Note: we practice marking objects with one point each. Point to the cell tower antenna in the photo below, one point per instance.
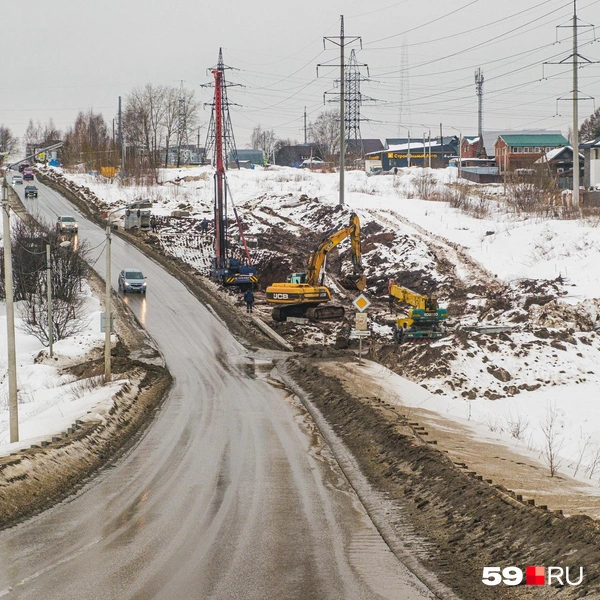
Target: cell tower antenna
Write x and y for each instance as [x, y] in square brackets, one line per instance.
[481, 153]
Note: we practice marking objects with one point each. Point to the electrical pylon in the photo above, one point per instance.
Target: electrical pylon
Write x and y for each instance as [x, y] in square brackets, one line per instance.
[220, 119]
[354, 100]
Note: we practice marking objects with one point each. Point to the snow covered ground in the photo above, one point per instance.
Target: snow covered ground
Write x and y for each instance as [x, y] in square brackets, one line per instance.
[549, 380]
[51, 401]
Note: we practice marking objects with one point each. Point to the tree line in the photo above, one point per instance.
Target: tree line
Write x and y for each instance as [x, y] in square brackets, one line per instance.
[157, 121]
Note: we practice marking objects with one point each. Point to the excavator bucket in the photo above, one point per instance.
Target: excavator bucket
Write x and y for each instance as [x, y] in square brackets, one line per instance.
[354, 282]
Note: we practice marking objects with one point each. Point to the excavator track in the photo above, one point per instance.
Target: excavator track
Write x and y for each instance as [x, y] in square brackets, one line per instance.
[326, 312]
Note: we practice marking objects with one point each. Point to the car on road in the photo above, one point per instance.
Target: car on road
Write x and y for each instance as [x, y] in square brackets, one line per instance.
[17, 179]
[28, 175]
[23, 166]
[67, 224]
[132, 280]
[31, 191]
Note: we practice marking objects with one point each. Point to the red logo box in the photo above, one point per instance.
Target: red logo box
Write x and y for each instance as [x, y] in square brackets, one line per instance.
[535, 575]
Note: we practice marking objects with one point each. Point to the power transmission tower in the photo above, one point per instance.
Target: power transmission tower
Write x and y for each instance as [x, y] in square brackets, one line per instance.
[355, 99]
[576, 60]
[481, 153]
[182, 132]
[220, 119]
[341, 41]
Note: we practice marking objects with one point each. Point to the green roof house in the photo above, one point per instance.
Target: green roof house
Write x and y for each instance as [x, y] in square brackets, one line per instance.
[521, 150]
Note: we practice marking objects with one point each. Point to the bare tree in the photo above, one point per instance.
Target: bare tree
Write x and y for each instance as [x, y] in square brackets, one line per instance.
[69, 268]
[8, 142]
[89, 143]
[553, 441]
[325, 133]
[264, 140]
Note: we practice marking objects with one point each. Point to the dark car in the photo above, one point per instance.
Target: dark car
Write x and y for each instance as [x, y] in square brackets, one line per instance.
[28, 175]
[31, 191]
[23, 166]
[132, 280]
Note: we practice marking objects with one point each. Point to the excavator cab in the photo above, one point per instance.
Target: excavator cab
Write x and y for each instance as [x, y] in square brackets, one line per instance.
[296, 278]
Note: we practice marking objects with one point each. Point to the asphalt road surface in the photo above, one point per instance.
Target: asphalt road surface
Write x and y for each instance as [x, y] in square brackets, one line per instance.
[230, 493]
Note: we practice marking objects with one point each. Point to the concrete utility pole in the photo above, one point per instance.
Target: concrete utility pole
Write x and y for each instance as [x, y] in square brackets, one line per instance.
[107, 308]
[121, 139]
[305, 125]
[13, 405]
[577, 60]
[575, 111]
[49, 301]
[341, 42]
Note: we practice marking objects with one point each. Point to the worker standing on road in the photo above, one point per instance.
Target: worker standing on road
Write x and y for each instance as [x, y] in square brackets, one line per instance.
[249, 299]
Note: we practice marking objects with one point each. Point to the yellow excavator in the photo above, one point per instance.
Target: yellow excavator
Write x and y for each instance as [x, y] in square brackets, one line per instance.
[303, 293]
[425, 318]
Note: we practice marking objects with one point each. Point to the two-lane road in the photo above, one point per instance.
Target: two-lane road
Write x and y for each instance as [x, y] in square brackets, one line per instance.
[230, 493]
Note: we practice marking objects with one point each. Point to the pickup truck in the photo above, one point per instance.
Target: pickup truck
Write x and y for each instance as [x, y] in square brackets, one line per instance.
[31, 191]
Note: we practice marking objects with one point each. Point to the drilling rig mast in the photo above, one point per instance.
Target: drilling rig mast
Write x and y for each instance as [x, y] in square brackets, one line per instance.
[220, 140]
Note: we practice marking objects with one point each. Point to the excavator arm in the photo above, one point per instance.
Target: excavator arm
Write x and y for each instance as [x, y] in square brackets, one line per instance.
[318, 257]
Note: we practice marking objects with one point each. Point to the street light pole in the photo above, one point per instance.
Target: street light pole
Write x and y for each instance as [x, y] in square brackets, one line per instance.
[49, 301]
[108, 308]
[13, 405]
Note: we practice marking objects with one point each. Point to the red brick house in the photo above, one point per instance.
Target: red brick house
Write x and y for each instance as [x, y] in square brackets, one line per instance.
[521, 150]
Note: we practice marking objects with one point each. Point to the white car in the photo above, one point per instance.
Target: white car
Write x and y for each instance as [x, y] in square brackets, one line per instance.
[17, 179]
[67, 224]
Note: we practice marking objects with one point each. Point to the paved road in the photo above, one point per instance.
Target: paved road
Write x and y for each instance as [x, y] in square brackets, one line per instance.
[229, 494]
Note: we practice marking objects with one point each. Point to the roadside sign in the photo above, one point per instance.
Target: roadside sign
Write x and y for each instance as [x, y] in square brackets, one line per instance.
[361, 302]
[355, 334]
[360, 321]
[103, 322]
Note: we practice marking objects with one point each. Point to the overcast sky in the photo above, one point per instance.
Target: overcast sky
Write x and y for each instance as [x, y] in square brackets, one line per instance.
[63, 56]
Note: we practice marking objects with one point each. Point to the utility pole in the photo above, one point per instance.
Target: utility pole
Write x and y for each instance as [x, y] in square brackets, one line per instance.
[305, 125]
[341, 42]
[342, 113]
[49, 301]
[429, 163]
[576, 61]
[107, 308]
[13, 405]
[121, 140]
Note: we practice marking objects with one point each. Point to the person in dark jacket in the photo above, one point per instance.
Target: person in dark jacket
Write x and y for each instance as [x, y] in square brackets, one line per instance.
[153, 223]
[249, 299]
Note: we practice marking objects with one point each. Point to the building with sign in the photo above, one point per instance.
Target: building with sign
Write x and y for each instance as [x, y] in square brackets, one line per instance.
[420, 153]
